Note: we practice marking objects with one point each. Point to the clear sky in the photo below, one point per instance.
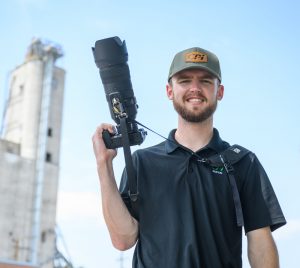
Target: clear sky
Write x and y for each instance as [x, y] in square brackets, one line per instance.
[258, 45]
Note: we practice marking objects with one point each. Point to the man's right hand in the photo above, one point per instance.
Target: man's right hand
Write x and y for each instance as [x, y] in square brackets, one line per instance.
[102, 154]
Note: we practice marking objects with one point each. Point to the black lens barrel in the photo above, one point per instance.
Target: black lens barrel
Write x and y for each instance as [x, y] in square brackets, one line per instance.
[111, 58]
[110, 51]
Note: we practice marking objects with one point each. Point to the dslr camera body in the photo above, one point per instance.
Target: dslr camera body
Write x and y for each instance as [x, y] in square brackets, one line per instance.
[111, 58]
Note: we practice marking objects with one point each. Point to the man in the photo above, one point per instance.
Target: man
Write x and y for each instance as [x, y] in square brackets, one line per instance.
[186, 209]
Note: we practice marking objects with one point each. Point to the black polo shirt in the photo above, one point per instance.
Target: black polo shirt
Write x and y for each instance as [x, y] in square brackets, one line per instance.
[186, 210]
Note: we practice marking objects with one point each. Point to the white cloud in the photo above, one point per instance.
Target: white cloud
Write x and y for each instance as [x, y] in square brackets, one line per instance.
[76, 205]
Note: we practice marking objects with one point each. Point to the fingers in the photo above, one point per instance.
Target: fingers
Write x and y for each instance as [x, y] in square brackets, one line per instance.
[104, 126]
[99, 130]
[100, 150]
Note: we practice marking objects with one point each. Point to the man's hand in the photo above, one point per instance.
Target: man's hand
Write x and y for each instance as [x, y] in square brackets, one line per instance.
[102, 154]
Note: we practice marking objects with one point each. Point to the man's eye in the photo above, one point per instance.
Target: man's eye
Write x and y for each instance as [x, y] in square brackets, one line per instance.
[206, 81]
[183, 81]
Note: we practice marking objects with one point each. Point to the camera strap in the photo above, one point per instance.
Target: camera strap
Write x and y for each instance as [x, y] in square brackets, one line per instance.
[227, 158]
[132, 180]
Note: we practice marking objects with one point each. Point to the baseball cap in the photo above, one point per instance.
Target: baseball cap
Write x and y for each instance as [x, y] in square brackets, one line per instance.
[198, 58]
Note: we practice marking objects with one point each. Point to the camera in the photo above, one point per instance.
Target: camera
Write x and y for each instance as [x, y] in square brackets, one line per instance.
[111, 58]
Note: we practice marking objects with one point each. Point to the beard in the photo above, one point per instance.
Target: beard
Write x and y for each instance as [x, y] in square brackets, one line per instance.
[195, 116]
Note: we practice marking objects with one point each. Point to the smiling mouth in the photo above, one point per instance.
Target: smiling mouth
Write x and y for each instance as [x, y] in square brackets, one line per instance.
[196, 100]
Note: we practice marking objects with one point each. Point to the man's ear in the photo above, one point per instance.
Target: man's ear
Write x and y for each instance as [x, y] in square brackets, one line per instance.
[169, 91]
[220, 92]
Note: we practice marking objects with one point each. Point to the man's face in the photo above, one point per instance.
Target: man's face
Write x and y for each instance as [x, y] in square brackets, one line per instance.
[195, 94]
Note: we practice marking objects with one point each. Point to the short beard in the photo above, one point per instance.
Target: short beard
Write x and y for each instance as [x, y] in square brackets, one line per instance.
[195, 117]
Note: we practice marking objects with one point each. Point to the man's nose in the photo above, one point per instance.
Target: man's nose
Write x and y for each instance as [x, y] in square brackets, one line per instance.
[195, 86]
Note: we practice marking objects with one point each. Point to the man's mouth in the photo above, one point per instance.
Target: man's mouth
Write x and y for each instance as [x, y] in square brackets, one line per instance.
[195, 100]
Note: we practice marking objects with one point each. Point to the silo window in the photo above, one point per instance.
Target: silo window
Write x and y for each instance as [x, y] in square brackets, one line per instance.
[48, 157]
[43, 237]
[50, 132]
[54, 83]
[21, 89]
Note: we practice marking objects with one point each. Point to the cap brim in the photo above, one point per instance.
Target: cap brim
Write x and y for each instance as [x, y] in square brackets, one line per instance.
[193, 66]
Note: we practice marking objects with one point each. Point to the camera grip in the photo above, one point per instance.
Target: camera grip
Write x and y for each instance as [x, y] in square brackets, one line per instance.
[107, 139]
[111, 141]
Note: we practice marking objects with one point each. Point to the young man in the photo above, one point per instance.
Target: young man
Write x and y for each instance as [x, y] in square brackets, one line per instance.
[186, 209]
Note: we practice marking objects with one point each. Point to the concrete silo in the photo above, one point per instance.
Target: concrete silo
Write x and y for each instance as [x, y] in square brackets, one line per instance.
[29, 157]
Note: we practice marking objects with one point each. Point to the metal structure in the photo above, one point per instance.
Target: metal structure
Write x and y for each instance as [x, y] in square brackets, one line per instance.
[49, 54]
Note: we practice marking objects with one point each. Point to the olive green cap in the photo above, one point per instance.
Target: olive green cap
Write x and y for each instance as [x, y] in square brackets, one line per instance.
[198, 58]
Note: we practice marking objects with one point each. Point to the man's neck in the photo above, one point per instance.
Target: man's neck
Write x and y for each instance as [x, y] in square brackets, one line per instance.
[194, 135]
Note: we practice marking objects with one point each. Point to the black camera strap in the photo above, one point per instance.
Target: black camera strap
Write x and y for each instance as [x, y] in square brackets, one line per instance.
[227, 158]
[132, 180]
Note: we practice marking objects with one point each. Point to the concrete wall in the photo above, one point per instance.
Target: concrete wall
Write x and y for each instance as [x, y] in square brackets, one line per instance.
[18, 150]
[16, 192]
[6, 265]
[22, 115]
[56, 114]
[23, 110]
[14, 264]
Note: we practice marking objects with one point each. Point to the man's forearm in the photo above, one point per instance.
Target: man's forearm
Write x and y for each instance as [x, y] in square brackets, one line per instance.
[262, 251]
[123, 228]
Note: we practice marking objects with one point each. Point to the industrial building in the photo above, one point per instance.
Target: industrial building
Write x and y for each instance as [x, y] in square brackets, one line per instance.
[29, 159]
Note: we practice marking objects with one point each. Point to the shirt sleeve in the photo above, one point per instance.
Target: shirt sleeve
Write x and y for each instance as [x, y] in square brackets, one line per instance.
[259, 202]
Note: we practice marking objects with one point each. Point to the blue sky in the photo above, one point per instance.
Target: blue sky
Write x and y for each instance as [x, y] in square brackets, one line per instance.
[258, 45]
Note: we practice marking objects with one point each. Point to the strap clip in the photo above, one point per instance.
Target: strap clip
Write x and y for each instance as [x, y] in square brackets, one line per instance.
[133, 196]
[228, 166]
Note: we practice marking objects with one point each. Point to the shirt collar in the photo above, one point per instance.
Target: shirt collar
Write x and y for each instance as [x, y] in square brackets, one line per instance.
[216, 143]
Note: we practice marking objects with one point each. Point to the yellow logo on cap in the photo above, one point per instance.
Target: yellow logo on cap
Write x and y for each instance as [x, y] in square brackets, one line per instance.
[196, 57]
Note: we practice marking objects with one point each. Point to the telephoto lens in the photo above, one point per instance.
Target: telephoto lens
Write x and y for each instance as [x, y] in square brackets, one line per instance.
[111, 58]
